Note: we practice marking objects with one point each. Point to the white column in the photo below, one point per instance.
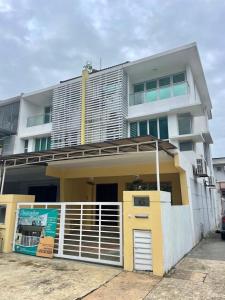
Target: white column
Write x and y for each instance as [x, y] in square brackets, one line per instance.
[157, 164]
[3, 180]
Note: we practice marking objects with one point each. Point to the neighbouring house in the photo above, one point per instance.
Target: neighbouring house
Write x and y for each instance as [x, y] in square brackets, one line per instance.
[219, 171]
[124, 153]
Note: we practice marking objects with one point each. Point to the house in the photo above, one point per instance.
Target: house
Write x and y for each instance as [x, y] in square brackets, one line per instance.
[219, 171]
[124, 152]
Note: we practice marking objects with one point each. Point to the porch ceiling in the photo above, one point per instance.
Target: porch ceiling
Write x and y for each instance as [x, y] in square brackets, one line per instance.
[116, 160]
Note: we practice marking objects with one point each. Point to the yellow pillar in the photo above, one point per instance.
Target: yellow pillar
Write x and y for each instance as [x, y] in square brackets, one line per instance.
[85, 76]
[152, 223]
[8, 226]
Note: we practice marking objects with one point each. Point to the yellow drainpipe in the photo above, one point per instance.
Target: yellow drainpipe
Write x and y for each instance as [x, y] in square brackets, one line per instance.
[85, 76]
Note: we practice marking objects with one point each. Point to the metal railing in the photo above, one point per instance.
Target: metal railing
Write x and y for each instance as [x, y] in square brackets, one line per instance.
[161, 93]
[39, 120]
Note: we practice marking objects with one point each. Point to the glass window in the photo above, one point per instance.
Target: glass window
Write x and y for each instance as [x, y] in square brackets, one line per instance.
[48, 143]
[143, 128]
[37, 144]
[185, 123]
[163, 128]
[153, 130]
[43, 144]
[47, 115]
[2, 214]
[164, 81]
[133, 129]
[186, 146]
[139, 98]
[151, 96]
[218, 168]
[139, 87]
[151, 85]
[179, 77]
[26, 143]
[180, 89]
[165, 92]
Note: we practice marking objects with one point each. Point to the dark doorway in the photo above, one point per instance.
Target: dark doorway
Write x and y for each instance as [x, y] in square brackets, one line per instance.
[107, 193]
[44, 193]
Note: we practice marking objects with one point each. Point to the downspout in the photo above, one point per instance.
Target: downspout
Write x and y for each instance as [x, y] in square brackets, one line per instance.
[85, 75]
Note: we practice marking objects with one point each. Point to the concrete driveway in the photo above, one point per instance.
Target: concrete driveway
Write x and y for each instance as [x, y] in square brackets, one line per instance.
[200, 275]
[24, 277]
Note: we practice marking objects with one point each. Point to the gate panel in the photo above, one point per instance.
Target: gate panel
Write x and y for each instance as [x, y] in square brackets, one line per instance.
[88, 231]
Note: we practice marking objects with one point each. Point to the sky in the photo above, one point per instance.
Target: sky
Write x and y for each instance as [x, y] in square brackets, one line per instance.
[43, 42]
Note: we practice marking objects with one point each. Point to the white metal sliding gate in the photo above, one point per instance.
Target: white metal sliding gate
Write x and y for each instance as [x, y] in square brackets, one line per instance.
[88, 231]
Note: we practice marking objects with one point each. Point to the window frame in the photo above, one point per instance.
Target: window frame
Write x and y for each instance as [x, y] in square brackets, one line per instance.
[187, 141]
[158, 87]
[179, 117]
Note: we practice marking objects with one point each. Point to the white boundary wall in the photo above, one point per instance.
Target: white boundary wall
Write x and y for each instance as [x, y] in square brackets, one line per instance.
[177, 232]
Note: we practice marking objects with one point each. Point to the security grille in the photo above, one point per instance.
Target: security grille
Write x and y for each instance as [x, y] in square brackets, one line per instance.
[88, 231]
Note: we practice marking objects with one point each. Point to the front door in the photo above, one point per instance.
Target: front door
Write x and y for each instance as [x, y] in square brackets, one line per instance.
[108, 193]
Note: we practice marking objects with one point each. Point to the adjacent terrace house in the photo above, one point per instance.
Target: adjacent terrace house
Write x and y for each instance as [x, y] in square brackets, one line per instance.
[124, 154]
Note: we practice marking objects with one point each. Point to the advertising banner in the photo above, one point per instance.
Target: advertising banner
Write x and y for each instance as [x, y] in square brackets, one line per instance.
[35, 232]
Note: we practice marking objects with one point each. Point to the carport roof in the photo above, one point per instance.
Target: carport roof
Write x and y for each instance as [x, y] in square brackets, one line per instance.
[112, 147]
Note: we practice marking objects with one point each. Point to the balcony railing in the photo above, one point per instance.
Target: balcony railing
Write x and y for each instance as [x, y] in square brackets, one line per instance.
[39, 120]
[161, 93]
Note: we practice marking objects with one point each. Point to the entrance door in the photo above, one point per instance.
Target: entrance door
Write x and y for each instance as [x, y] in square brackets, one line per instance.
[108, 193]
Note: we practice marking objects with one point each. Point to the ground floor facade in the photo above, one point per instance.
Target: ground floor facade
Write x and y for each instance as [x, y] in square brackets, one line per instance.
[142, 210]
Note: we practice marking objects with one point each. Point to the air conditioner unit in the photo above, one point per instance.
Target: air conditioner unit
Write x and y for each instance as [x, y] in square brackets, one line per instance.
[201, 168]
[211, 182]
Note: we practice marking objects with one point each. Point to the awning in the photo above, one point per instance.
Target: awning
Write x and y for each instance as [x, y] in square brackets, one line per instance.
[113, 147]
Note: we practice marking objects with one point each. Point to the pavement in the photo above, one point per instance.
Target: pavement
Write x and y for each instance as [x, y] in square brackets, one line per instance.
[199, 275]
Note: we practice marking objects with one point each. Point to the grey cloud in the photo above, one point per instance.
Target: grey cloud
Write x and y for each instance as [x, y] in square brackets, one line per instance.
[43, 42]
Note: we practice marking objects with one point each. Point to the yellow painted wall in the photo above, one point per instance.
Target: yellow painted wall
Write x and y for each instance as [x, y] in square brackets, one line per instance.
[78, 190]
[109, 171]
[7, 229]
[153, 223]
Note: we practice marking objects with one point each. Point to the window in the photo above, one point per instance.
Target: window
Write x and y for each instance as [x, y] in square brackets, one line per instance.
[133, 129]
[186, 146]
[163, 128]
[156, 127]
[48, 114]
[159, 89]
[218, 169]
[26, 143]
[42, 144]
[139, 87]
[143, 128]
[2, 214]
[185, 123]
[151, 94]
[153, 128]
[179, 84]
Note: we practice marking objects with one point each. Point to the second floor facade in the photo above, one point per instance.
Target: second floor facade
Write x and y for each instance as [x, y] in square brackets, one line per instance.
[164, 95]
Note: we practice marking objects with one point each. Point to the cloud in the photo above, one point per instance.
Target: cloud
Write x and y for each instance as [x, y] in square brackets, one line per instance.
[43, 42]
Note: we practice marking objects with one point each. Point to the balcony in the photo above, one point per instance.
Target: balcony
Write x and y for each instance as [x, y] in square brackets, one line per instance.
[161, 93]
[39, 120]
